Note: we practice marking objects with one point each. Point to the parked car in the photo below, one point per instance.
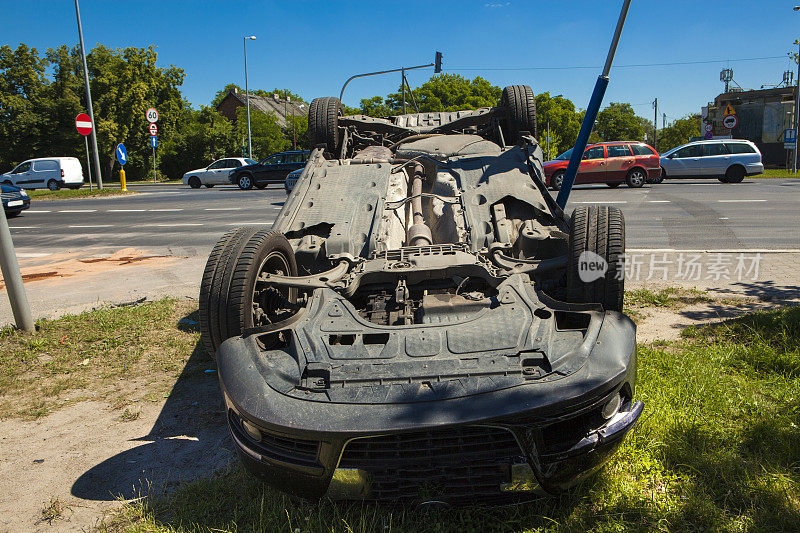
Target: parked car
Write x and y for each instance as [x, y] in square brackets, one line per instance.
[420, 323]
[291, 179]
[728, 160]
[273, 169]
[50, 172]
[14, 200]
[612, 163]
[216, 173]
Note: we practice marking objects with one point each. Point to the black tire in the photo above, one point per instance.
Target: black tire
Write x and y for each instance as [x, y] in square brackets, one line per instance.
[636, 178]
[661, 177]
[248, 303]
[557, 179]
[12, 214]
[615, 184]
[194, 182]
[601, 230]
[723, 179]
[245, 182]
[735, 174]
[520, 105]
[215, 282]
[261, 186]
[209, 185]
[53, 185]
[323, 123]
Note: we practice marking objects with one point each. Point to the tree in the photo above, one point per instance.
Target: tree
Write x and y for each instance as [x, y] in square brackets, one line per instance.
[618, 122]
[679, 132]
[564, 121]
[267, 136]
[201, 137]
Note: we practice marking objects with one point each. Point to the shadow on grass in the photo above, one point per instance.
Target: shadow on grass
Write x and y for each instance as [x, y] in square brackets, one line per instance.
[189, 438]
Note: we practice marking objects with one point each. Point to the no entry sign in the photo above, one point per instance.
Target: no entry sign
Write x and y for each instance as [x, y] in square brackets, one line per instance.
[83, 124]
[730, 121]
[153, 129]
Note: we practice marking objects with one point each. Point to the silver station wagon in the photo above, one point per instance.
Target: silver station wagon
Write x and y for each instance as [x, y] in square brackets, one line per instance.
[728, 160]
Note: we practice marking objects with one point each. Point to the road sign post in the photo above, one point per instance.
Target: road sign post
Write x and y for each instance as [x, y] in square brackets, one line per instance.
[154, 145]
[83, 123]
[122, 157]
[152, 117]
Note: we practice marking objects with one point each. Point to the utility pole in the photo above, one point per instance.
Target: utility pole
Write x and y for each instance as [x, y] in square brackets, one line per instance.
[403, 80]
[89, 100]
[247, 96]
[548, 136]
[796, 111]
[13, 278]
[663, 120]
[655, 124]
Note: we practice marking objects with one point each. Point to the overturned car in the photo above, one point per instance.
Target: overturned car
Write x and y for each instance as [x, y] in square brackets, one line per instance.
[418, 324]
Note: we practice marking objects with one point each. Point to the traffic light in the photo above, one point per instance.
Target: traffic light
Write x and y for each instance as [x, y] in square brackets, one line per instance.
[437, 64]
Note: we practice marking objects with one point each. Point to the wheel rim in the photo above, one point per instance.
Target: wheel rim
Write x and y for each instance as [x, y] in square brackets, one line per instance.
[244, 182]
[637, 178]
[558, 179]
[52, 185]
[267, 301]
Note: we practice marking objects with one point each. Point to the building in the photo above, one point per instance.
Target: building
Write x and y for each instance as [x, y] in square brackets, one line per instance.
[761, 117]
[229, 106]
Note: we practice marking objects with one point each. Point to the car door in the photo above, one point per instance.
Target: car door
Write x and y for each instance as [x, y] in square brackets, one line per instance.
[619, 162]
[715, 160]
[271, 169]
[593, 165]
[229, 165]
[213, 172]
[686, 161]
[45, 170]
[22, 176]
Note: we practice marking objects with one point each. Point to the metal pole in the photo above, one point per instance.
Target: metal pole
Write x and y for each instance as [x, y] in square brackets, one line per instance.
[13, 278]
[351, 78]
[591, 113]
[796, 112]
[403, 83]
[154, 163]
[247, 95]
[88, 161]
[548, 134]
[655, 125]
[89, 100]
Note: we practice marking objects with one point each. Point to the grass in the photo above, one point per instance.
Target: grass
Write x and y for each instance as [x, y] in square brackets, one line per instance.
[46, 194]
[717, 449]
[776, 173]
[671, 297]
[121, 355]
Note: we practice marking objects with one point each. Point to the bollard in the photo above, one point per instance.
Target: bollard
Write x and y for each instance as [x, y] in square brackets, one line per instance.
[122, 180]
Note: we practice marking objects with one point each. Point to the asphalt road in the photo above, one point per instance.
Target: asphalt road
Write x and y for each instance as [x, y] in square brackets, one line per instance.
[680, 215]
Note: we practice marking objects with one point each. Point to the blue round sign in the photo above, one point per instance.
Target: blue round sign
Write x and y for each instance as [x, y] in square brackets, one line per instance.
[122, 154]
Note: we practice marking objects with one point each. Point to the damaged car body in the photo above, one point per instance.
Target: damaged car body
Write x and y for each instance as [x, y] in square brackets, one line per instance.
[414, 326]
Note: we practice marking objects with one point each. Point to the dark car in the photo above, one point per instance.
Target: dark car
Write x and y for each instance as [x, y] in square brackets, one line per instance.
[15, 200]
[270, 170]
[612, 163]
[420, 324]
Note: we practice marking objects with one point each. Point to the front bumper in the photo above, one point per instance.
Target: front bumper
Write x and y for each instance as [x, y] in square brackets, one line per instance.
[541, 436]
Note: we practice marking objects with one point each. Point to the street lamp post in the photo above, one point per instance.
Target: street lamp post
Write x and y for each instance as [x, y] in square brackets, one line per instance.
[796, 107]
[247, 96]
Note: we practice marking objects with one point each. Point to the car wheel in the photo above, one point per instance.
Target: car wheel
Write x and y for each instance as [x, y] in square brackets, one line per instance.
[735, 174]
[194, 182]
[323, 123]
[216, 278]
[635, 178]
[209, 185]
[556, 180]
[261, 185]
[614, 185]
[601, 231]
[520, 105]
[12, 214]
[660, 177]
[245, 183]
[53, 185]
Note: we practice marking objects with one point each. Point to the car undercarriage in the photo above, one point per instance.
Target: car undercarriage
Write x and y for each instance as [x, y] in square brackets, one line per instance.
[416, 325]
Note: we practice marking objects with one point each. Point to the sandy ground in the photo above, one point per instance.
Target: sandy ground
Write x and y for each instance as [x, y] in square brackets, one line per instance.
[85, 457]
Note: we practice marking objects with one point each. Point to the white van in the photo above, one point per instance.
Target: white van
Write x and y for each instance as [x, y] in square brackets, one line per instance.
[50, 172]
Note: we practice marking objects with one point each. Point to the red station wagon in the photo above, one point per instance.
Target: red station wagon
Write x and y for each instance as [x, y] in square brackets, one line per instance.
[611, 163]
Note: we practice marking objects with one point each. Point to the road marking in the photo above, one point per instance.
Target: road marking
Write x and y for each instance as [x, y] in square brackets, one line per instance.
[173, 225]
[736, 201]
[33, 254]
[24, 227]
[93, 226]
[126, 210]
[247, 223]
[164, 210]
[222, 208]
[34, 211]
[604, 202]
[724, 218]
[719, 251]
[77, 210]
[658, 201]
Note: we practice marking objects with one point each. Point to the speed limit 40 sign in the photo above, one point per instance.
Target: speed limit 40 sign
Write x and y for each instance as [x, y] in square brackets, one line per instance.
[151, 115]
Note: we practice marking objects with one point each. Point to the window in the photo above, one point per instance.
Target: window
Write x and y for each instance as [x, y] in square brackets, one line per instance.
[233, 163]
[39, 166]
[276, 159]
[641, 149]
[695, 150]
[565, 156]
[618, 150]
[740, 148]
[714, 149]
[216, 164]
[250, 162]
[299, 157]
[595, 152]
[24, 167]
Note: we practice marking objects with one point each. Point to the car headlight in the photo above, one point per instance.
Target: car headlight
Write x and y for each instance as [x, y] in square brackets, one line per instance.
[22, 192]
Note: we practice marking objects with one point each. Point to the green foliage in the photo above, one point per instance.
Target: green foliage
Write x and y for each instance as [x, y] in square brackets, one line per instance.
[618, 122]
[564, 121]
[201, 137]
[267, 136]
[679, 132]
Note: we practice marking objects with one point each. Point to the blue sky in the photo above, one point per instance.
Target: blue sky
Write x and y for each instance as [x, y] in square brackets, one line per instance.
[312, 47]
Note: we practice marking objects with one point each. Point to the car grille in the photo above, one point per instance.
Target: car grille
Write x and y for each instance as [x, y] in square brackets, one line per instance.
[470, 462]
[285, 449]
[10, 195]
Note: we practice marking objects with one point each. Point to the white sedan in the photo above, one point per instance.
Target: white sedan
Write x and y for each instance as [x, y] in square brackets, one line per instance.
[216, 173]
